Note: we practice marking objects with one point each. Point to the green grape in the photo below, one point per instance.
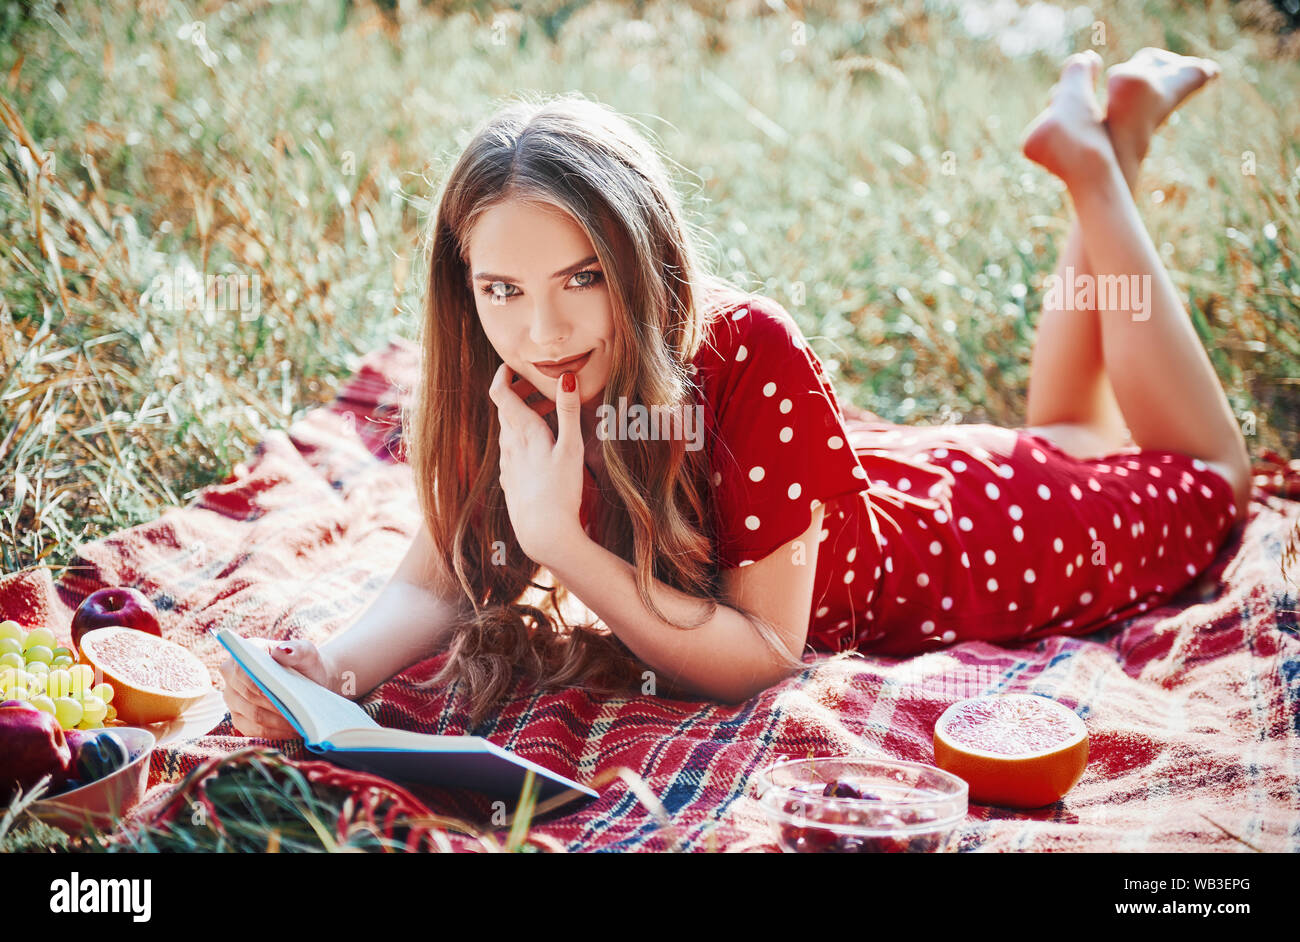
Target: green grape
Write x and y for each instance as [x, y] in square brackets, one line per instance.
[8, 678]
[83, 679]
[104, 692]
[68, 712]
[11, 629]
[39, 652]
[37, 682]
[59, 683]
[64, 652]
[19, 693]
[93, 709]
[40, 636]
[62, 660]
[43, 702]
[11, 646]
[90, 724]
[16, 661]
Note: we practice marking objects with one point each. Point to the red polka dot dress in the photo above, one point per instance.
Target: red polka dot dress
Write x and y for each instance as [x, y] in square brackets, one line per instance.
[940, 534]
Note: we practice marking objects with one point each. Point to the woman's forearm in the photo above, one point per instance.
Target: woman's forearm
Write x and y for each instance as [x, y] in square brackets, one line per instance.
[724, 658]
[402, 626]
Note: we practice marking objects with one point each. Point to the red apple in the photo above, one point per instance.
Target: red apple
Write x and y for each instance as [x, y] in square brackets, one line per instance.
[122, 606]
[34, 745]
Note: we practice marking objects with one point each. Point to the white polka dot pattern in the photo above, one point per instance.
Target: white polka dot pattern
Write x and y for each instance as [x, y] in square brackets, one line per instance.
[998, 535]
[781, 442]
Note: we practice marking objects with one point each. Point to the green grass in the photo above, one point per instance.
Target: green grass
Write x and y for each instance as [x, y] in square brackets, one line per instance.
[868, 178]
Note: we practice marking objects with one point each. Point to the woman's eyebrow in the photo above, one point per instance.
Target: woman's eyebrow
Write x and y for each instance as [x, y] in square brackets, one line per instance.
[489, 276]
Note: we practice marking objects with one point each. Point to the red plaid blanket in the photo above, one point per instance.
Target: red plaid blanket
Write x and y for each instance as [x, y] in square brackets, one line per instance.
[1193, 709]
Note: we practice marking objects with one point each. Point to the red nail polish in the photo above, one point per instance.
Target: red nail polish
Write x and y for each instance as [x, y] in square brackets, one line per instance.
[570, 382]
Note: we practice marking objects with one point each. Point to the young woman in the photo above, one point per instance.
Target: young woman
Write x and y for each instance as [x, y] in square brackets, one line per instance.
[565, 291]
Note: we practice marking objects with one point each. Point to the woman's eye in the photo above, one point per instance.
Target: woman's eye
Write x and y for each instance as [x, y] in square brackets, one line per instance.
[489, 289]
[595, 278]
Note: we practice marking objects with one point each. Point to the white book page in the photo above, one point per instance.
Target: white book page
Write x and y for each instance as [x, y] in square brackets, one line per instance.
[319, 711]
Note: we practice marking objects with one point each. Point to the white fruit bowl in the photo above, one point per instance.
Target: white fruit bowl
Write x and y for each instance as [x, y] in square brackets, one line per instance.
[94, 804]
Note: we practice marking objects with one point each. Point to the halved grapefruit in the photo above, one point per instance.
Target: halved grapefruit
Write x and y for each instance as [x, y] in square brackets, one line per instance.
[153, 679]
[1014, 749]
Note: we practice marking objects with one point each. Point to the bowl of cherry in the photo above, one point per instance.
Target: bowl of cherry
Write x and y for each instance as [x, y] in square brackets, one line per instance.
[847, 805]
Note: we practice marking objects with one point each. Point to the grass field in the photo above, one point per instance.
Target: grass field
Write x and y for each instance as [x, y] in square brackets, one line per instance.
[857, 162]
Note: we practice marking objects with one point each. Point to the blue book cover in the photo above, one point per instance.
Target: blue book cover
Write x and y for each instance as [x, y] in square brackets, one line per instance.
[338, 729]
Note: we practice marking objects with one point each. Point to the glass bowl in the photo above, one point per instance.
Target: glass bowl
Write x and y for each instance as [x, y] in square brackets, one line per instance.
[853, 805]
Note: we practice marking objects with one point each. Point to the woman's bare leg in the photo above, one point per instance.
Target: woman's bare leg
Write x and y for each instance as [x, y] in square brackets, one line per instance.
[1162, 378]
[1067, 380]
[1067, 372]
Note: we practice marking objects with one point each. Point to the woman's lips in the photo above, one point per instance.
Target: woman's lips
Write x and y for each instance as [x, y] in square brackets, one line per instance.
[573, 366]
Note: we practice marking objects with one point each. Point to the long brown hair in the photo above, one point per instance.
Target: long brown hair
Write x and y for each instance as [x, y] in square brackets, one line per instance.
[585, 159]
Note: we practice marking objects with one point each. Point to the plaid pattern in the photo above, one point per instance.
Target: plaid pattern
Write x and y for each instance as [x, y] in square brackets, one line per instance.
[1193, 709]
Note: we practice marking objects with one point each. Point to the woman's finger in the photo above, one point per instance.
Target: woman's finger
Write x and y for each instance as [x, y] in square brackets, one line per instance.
[234, 703]
[244, 686]
[256, 722]
[237, 703]
[304, 657]
[273, 725]
[241, 723]
[511, 411]
[271, 721]
[233, 675]
[240, 685]
[500, 380]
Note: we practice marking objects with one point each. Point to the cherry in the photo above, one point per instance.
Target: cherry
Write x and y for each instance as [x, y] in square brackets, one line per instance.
[891, 845]
[816, 840]
[838, 789]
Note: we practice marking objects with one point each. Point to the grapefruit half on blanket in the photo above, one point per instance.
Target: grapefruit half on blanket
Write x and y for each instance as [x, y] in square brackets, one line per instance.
[1018, 750]
[153, 679]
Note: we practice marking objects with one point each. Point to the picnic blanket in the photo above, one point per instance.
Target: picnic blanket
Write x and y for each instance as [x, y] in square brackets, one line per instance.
[1193, 709]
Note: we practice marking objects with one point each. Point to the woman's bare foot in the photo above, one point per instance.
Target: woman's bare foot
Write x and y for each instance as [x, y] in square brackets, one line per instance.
[1142, 93]
[1068, 137]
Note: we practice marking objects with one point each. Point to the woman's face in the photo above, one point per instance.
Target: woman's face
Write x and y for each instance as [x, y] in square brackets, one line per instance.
[541, 295]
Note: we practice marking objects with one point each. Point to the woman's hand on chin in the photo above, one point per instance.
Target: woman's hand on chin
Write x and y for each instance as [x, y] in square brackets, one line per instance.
[541, 474]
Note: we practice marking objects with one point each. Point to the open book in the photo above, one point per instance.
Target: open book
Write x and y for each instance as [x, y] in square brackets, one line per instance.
[342, 732]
